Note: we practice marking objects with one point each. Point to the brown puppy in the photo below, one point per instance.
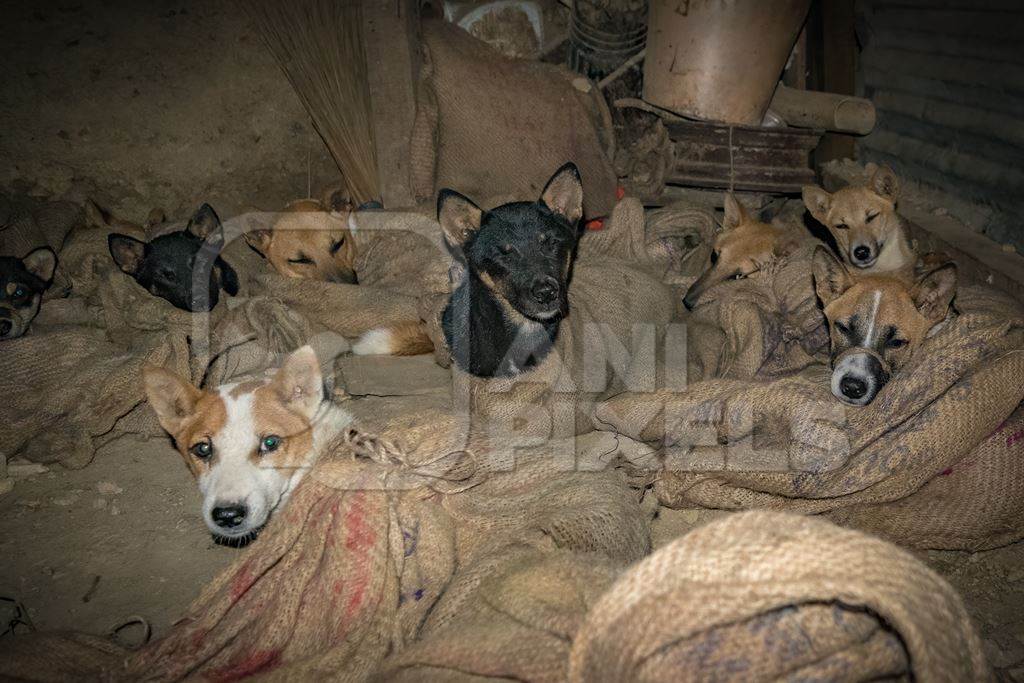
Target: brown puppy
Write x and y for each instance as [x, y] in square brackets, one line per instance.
[311, 239]
[743, 247]
[863, 220]
[877, 322]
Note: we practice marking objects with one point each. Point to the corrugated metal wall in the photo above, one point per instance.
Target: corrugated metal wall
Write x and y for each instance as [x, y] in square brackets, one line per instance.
[947, 77]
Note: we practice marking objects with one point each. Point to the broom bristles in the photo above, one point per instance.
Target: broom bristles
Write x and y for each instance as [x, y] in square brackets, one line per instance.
[319, 46]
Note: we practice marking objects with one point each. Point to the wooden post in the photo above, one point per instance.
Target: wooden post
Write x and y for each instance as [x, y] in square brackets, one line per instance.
[838, 69]
[392, 44]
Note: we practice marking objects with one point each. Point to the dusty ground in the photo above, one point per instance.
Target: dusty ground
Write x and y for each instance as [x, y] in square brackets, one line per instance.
[88, 549]
[163, 103]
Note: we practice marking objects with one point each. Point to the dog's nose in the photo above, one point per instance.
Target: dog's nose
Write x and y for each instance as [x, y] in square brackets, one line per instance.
[862, 253]
[545, 291]
[229, 516]
[853, 388]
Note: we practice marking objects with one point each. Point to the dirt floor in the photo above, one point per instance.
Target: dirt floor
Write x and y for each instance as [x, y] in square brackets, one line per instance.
[89, 549]
[165, 103]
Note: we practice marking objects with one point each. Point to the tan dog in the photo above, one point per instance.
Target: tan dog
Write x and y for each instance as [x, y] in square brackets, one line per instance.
[744, 246]
[877, 322]
[863, 220]
[311, 239]
[247, 444]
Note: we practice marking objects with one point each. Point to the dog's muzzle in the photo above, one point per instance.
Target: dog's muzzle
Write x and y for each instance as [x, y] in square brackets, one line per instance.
[858, 374]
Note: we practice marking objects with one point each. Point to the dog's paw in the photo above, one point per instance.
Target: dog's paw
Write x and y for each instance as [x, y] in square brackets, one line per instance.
[377, 342]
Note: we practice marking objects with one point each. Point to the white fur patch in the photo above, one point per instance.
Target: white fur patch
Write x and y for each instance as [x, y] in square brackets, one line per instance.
[235, 479]
[377, 342]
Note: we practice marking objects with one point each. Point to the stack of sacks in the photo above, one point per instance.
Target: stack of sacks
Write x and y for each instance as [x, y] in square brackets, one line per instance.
[932, 461]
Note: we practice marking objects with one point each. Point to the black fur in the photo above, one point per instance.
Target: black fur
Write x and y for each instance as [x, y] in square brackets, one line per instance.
[182, 267]
[504, 315]
[22, 283]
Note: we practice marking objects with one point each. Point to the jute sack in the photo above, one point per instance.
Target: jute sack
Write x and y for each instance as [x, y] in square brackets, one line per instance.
[519, 624]
[763, 596]
[27, 223]
[790, 445]
[973, 505]
[537, 544]
[353, 568]
[771, 323]
[488, 125]
[673, 242]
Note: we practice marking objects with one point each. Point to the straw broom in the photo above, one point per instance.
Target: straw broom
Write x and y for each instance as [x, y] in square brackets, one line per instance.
[319, 46]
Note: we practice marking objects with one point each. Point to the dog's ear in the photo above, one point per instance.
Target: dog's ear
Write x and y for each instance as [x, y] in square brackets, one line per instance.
[128, 252]
[156, 217]
[735, 214]
[205, 224]
[563, 193]
[933, 294]
[41, 262]
[95, 216]
[259, 240]
[885, 183]
[818, 202]
[227, 276]
[459, 217]
[831, 278]
[173, 399]
[335, 199]
[299, 383]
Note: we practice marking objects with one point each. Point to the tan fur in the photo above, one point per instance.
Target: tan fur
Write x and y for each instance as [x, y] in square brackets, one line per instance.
[206, 419]
[912, 310]
[744, 246]
[307, 229]
[409, 339]
[274, 417]
[866, 214]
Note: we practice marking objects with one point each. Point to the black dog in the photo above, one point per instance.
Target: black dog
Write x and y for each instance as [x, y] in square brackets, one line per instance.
[182, 267]
[22, 283]
[504, 315]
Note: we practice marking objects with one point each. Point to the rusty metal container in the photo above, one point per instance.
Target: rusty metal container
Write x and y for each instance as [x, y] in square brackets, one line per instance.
[719, 60]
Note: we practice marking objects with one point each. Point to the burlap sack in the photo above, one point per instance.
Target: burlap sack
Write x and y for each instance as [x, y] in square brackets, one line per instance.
[73, 382]
[367, 546]
[754, 597]
[27, 223]
[790, 445]
[487, 124]
[770, 324]
[673, 242]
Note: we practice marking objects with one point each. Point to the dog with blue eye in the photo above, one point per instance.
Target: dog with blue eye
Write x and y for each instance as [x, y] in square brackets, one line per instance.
[249, 443]
[182, 267]
[22, 284]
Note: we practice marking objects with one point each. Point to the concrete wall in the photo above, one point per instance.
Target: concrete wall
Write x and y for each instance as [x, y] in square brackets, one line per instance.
[154, 103]
[947, 77]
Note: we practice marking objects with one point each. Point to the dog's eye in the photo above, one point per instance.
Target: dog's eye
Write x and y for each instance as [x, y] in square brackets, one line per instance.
[301, 259]
[842, 226]
[871, 217]
[739, 276]
[19, 292]
[335, 246]
[714, 257]
[202, 450]
[269, 444]
[896, 343]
